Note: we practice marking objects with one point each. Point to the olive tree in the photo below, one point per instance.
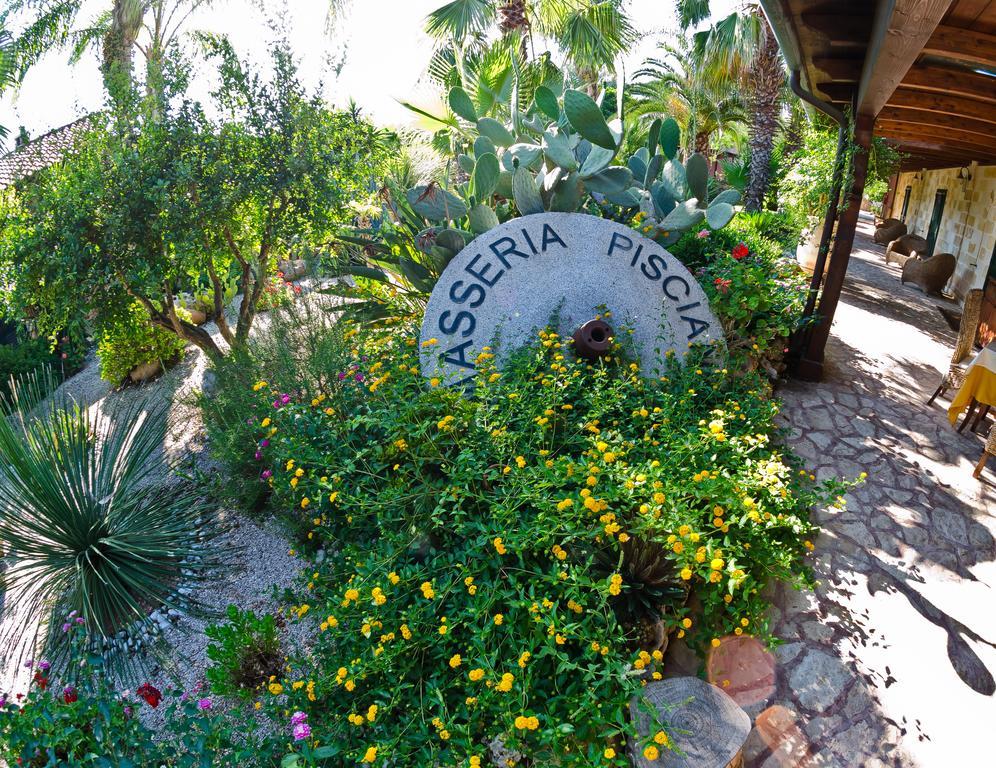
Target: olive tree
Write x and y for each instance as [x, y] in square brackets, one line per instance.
[162, 195]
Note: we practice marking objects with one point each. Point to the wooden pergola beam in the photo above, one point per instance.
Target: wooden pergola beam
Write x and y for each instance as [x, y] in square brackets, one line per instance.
[926, 117]
[906, 26]
[947, 104]
[946, 80]
[965, 45]
[944, 136]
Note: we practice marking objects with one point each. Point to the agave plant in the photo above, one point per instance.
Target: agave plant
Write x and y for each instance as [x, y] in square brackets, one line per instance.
[91, 530]
[559, 155]
[650, 579]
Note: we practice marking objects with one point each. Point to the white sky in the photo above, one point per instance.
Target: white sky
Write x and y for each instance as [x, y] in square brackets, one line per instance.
[385, 46]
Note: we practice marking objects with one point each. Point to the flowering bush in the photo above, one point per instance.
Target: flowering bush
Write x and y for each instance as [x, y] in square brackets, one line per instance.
[476, 601]
[757, 293]
[90, 723]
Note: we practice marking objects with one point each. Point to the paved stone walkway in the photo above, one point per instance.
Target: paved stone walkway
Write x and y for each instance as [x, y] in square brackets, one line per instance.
[891, 661]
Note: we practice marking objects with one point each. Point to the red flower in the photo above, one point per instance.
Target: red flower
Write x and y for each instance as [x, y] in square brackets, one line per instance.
[150, 693]
[41, 681]
[740, 251]
[69, 694]
[722, 285]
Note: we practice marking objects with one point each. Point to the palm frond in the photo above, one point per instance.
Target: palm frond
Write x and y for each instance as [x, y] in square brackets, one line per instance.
[50, 27]
[460, 19]
[692, 12]
[90, 37]
[596, 33]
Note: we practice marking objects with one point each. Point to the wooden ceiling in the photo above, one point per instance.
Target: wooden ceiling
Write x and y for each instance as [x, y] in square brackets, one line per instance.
[931, 82]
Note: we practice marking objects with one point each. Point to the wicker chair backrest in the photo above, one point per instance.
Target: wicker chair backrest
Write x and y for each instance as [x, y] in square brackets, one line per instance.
[969, 326]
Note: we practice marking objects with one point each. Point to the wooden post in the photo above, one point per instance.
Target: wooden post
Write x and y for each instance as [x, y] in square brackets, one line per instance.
[811, 363]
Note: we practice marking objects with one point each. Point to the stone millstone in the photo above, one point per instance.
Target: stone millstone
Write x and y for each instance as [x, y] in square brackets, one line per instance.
[513, 279]
[703, 723]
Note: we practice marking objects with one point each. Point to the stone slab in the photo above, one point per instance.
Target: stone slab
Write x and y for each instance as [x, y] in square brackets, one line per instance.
[518, 276]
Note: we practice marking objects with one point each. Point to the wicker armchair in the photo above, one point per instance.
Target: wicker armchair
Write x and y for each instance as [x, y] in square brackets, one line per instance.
[955, 376]
[989, 450]
[930, 274]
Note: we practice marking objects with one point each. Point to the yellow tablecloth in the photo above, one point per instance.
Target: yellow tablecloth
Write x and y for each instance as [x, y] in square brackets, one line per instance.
[980, 383]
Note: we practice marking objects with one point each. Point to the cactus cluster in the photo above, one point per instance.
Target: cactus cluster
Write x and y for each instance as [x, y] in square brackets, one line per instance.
[559, 155]
[562, 154]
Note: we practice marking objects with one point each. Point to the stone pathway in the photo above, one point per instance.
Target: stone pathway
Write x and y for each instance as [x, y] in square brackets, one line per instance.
[891, 661]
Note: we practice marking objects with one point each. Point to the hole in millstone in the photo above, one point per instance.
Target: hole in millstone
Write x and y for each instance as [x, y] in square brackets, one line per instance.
[598, 334]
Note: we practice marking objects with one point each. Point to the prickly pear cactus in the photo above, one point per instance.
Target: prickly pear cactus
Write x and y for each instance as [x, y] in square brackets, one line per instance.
[562, 155]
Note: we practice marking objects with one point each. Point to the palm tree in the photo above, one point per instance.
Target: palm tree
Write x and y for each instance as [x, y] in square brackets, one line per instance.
[674, 86]
[590, 33]
[7, 68]
[741, 51]
[116, 31]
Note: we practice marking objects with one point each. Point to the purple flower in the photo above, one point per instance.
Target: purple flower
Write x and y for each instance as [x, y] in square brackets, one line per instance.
[342, 376]
[66, 627]
[301, 732]
[267, 474]
[204, 704]
[284, 399]
[258, 456]
[249, 422]
[127, 711]
[298, 717]
[264, 443]
[29, 663]
[358, 377]
[80, 620]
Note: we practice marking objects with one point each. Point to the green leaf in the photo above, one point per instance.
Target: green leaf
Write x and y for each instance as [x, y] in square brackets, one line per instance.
[610, 181]
[495, 131]
[486, 175]
[670, 137]
[730, 196]
[483, 145]
[697, 177]
[462, 104]
[587, 119]
[547, 102]
[567, 194]
[527, 197]
[653, 170]
[719, 214]
[417, 275]
[482, 218]
[558, 151]
[654, 137]
[528, 155]
[466, 163]
[683, 217]
[597, 161]
[435, 203]
[368, 272]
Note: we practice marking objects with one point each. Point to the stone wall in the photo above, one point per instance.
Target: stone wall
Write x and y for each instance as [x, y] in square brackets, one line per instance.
[968, 226]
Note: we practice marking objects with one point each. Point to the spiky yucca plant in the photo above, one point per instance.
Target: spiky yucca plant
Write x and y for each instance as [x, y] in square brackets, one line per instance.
[650, 580]
[87, 520]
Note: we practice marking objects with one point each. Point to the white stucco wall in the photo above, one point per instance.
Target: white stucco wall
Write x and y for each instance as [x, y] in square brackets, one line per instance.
[968, 226]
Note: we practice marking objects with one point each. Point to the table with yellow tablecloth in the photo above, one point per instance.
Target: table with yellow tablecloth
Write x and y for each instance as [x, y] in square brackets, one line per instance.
[980, 383]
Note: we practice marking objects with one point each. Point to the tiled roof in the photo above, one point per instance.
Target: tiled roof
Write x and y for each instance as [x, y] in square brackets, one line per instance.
[40, 153]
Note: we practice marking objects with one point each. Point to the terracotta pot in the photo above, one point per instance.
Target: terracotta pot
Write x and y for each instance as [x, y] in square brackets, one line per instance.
[145, 372]
[809, 247]
[197, 317]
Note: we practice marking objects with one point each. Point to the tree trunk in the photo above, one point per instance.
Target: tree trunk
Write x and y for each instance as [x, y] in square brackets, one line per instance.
[767, 79]
[119, 44]
[702, 143]
[515, 20]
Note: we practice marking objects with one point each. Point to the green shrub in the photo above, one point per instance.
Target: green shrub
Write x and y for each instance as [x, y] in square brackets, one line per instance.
[523, 502]
[133, 340]
[82, 724]
[29, 356]
[245, 653]
[757, 293]
[90, 723]
[88, 520]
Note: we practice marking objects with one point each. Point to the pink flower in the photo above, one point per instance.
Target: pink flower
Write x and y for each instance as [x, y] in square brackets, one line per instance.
[301, 732]
[702, 234]
[203, 704]
[267, 474]
[298, 717]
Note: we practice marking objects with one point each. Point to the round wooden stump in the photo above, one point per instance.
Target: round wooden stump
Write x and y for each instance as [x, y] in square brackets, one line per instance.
[703, 723]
